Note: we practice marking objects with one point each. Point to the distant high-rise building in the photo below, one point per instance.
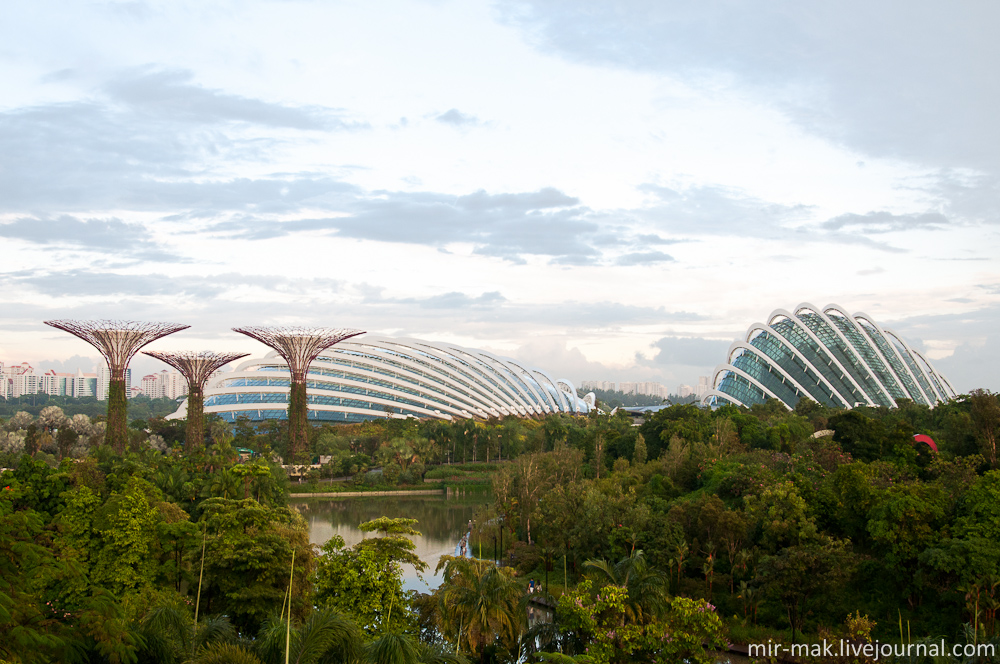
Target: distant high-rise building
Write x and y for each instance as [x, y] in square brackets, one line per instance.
[684, 391]
[84, 385]
[104, 381]
[168, 384]
[608, 385]
[149, 386]
[18, 380]
[702, 386]
[54, 383]
[648, 388]
[174, 384]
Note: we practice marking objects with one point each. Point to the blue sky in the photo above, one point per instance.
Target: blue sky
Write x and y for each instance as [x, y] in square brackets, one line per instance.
[605, 190]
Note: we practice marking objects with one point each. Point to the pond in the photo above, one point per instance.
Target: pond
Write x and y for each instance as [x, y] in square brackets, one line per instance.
[442, 520]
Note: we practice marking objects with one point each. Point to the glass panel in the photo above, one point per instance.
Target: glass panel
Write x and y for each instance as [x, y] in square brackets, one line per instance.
[868, 354]
[845, 355]
[910, 362]
[781, 355]
[762, 371]
[897, 366]
[818, 357]
[741, 388]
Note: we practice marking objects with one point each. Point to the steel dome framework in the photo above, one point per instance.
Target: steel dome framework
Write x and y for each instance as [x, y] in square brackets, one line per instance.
[376, 377]
[826, 355]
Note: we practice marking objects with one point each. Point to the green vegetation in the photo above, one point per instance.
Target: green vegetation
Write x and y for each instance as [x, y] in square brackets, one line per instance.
[656, 543]
[140, 407]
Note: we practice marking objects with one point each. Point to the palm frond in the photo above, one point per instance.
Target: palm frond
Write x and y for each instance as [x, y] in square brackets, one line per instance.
[216, 629]
[225, 653]
[328, 636]
[393, 649]
[438, 654]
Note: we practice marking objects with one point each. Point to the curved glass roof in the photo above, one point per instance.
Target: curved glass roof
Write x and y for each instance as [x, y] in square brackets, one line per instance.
[828, 356]
[372, 377]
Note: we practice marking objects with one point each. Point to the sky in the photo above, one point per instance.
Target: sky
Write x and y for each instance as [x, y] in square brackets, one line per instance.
[606, 191]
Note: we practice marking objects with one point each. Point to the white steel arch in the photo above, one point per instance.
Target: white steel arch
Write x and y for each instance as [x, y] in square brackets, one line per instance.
[374, 377]
[740, 345]
[883, 375]
[795, 351]
[845, 374]
[859, 367]
[868, 319]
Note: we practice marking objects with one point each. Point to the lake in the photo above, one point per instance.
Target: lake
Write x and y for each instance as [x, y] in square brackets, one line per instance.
[442, 520]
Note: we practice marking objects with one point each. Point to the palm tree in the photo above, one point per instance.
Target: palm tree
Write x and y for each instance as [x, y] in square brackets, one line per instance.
[167, 634]
[647, 588]
[326, 636]
[393, 649]
[226, 653]
[484, 602]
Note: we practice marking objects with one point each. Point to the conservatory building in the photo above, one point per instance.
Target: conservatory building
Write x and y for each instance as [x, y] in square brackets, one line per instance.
[836, 359]
[373, 377]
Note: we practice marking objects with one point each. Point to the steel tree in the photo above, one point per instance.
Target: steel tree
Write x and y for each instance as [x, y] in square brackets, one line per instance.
[196, 367]
[118, 341]
[299, 346]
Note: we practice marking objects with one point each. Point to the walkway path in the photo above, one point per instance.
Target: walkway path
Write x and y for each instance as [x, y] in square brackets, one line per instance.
[468, 546]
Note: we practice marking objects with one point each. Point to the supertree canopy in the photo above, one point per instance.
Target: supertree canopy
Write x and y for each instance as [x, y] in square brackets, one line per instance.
[118, 341]
[298, 346]
[196, 367]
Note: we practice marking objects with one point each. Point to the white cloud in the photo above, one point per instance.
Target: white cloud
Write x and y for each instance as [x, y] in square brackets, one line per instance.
[615, 187]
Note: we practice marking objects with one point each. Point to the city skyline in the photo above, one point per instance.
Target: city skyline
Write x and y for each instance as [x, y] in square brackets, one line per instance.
[608, 192]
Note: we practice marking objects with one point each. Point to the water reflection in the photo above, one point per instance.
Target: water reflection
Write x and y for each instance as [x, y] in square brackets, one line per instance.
[442, 520]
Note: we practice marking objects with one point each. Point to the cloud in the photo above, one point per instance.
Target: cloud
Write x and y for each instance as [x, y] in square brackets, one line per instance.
[457, 118]
[152, 142]
[558, 360]
[69, 365]
[690, 351]
[456, 300]
[112, 236]
[712, 210]
[720, 211]
[889, 78]
[644, 258]
[546, 222]
[170, 95]
[92, 283]
[886, 222]
[975, 361]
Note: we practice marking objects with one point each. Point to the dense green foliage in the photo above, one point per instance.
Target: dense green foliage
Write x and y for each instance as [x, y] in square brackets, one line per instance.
[609, 399]
[654, 543]
[140, 407]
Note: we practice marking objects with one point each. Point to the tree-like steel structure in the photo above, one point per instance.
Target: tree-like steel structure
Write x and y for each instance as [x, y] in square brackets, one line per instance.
[197, 368]
[299, 346]
[118, 341]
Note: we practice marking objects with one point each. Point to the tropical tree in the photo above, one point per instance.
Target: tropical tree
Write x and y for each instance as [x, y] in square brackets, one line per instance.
[647, 588]
[168, 634]
[797, 574]
[688, 631]
[248, 557]
[481, 606]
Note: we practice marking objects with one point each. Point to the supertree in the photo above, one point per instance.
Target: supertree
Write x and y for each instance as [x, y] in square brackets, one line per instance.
[299, 346]
[196, 367]
[118, 341]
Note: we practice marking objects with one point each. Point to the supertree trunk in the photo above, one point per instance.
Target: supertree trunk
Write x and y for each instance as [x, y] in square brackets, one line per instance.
[116, 433]
[298, 421]
[195, 434]
[118, 342]
[196, 368]
[298, 347]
